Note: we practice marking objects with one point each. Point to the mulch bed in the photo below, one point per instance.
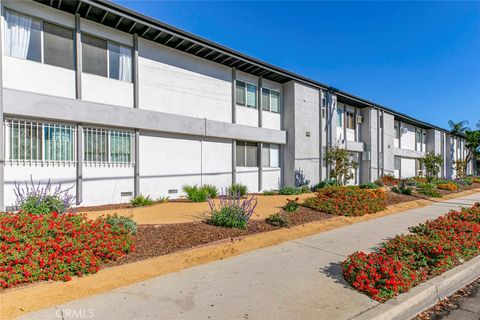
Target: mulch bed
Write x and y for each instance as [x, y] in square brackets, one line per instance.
[156, 240]
[395, 198]
[445, 306]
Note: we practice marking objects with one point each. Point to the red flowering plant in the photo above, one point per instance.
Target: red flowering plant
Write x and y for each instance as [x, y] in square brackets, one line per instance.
[404, 261]
[56, 247]
[347, 201]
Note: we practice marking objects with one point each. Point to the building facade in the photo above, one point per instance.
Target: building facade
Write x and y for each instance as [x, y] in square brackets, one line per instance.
[115, 104]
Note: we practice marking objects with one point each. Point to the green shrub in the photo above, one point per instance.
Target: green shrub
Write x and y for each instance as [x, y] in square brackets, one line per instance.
[42, 205]
[347, 201]
[196, 194]
[379, 182]
[402, 189]
[230, 217]
[430, 193]
[322, 184]
[212, 191]
[368, 185]
[305, 189]
[277, 220]
[427, 186]
[163, 199]
[141, 201]
[269, 193]
[288, 191]
[468, 181]
[237, 189]
[117, 223]
[291, 205]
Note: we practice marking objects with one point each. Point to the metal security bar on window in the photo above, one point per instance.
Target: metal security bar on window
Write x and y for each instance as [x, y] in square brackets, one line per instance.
[36, 143]
[105, 147]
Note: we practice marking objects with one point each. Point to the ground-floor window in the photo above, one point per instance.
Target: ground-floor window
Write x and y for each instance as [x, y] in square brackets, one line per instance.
[247, 154]
[270, 155]
[107, 146]
[34, 142]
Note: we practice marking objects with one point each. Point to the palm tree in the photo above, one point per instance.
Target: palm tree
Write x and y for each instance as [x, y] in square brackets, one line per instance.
[478, 124]
[458, 127]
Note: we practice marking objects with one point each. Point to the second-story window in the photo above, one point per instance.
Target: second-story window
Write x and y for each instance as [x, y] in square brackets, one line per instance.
[270, 100]
[339, 118]
[106, 59]
[24, 40]
[246, 94]
[350, 120]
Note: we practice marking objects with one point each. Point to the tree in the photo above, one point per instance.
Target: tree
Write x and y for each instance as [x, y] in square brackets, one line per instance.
[433, 164]
[472, 144]
[341, 166]
[461, 168]
[458, 127]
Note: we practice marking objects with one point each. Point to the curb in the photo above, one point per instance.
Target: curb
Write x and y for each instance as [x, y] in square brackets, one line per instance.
[425, 295]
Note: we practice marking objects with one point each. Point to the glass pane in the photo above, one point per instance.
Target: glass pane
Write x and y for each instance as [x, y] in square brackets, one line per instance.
[274, 155]
[275, 101]
[23, 36]
[252, 148]
[58, 46]
[251, 96]
[240, 93]
[94, 55]
[120, 62]
[240, 154]
[120, 147]
[339, 118]
[266, 155]
[265, 99]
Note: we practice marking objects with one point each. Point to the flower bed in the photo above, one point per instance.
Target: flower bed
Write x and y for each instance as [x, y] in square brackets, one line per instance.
[406, 260]
[56, 247]
[348, 201]
[448, 186]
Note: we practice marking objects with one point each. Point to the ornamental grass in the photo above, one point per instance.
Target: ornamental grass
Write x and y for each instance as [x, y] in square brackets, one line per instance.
[56, 246]
[406, 260]
[347, 201]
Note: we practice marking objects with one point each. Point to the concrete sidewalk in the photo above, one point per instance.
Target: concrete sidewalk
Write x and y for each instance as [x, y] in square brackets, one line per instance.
[298, 279]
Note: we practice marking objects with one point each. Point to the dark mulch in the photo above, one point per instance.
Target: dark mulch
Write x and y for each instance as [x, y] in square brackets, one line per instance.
[156, 240]
[395, 198]
[445, 306]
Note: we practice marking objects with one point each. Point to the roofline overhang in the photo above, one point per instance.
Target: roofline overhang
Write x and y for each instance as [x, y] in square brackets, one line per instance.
[127, 20]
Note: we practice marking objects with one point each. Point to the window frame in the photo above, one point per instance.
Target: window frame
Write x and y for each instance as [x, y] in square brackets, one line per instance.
[244, 145]
[268, 146]
[341, 118]
[270, 100]
[108, 133]
[42, 44]
[41, 127]
[245, 94]
[349, 115]
[108, 42]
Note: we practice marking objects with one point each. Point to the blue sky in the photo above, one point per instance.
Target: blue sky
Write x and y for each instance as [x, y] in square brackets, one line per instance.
[420, 58]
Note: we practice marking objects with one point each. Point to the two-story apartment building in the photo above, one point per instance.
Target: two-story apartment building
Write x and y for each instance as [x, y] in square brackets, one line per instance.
[117, 104]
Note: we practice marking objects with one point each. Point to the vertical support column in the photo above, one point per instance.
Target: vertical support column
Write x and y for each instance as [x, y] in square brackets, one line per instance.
[344, 120]
[234, 120]
[260, 124]
[260, 169]
[382, 127]
[2, 141]
[79, 151]
[320, 145]
[136, 169]
[78, 95]
[378, 143]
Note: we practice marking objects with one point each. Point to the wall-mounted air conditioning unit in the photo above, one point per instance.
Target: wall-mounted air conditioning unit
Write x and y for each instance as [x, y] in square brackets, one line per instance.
[359, 119]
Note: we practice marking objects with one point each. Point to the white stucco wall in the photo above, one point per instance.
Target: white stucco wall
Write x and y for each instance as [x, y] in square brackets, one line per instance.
[408, 168]
[105, 90]
[271, 178]
[408, 138]
[249, 177]
[175, 82]
[104, 184]
[217, 163]
[247, 116]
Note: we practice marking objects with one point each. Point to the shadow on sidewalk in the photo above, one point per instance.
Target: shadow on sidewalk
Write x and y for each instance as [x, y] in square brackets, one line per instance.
[334, 271]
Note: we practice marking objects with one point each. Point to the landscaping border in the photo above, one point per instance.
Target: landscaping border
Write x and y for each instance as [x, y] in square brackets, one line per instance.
[426, 294]
[19, 301]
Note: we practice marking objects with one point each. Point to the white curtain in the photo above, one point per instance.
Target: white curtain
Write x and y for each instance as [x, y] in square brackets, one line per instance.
[125, 64]
[17, 34]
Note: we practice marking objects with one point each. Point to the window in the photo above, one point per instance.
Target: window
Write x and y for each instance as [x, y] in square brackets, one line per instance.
[246, 94]
[350, 120]
[23, 39]
[339, 118]
[94, 55]
[106, 59]
[23, 36]
[251, 96]
[397, 130]
[246, 154]
[324, 106]
[270, 155]
[107, 146]
[270, 100]
[30, 141]
[397, 163]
